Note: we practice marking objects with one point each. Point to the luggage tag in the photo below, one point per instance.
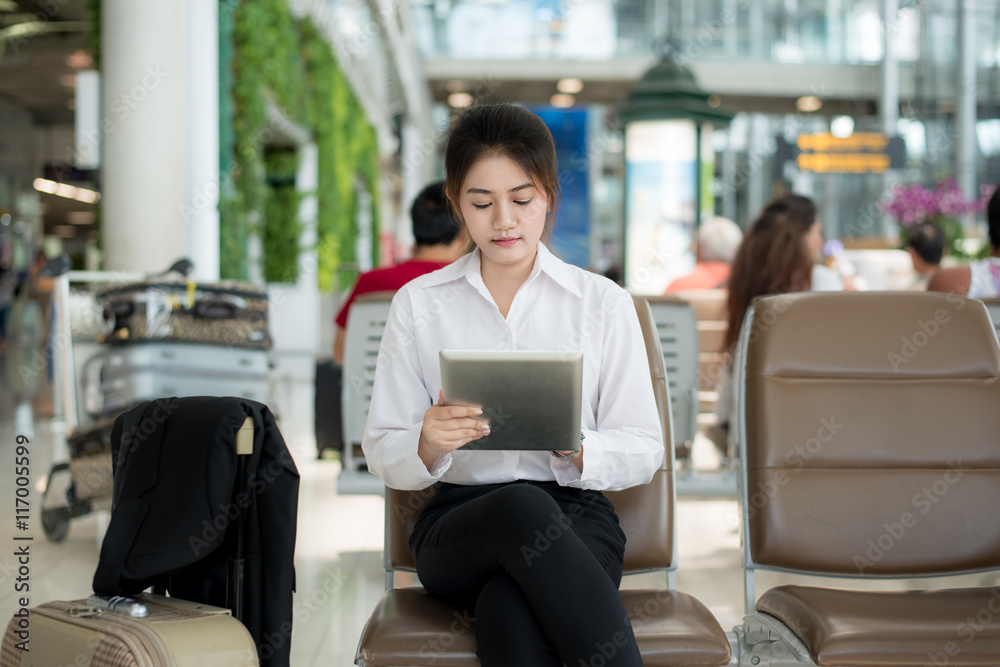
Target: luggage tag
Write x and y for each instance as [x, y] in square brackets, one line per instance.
[85, 611]
[191, 288]
[158, 312]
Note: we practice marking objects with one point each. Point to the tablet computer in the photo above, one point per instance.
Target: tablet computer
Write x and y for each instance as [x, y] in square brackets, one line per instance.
[531, 399]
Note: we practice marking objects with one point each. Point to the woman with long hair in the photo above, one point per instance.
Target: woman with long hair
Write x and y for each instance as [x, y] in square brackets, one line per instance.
[776, 256]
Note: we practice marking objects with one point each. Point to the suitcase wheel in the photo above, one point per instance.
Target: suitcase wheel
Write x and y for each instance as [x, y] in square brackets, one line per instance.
[55, 523]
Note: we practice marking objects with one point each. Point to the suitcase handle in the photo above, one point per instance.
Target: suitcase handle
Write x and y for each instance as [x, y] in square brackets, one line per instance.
[113, 313]
[214, 309]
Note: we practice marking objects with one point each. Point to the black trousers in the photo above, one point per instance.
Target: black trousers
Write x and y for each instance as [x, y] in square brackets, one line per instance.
[537, 564]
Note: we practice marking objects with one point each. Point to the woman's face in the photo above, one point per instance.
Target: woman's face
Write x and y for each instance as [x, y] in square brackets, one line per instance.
[814, 240]
[504, 212]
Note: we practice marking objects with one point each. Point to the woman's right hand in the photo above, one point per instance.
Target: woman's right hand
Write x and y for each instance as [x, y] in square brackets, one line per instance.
[446, 428]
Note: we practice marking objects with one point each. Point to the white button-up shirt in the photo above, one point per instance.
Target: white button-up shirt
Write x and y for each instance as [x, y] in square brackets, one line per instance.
[559, 307]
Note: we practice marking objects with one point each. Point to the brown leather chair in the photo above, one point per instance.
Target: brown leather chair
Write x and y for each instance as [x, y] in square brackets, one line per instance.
[409, 627]
[869, 434]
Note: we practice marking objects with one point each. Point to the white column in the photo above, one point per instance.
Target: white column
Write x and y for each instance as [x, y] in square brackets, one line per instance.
[965, 97]
[889, 96]
[160, 132]
[202, 196]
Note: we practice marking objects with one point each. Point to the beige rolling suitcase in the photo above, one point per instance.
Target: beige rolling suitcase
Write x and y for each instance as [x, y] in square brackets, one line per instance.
[176, 633]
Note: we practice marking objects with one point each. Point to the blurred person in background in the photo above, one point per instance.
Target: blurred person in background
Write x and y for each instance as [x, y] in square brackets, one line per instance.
[777, 256]
[25, 363]
[7, 284]
[926, 245]
[981, 278]
[439, 240]
[718, 240]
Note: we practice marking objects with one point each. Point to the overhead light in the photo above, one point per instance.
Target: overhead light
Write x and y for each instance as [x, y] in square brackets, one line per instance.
[569, 86]
[808, 104]
[842, 127]
[80, 217]
[562, 101]
[79, 59]
[67, 191]
[714, 101]
[460, 100]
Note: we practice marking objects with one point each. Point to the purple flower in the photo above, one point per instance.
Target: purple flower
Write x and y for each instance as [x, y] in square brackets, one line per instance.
[912, 204]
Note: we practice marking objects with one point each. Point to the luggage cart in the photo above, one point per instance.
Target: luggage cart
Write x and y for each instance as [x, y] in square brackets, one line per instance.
[75, 339]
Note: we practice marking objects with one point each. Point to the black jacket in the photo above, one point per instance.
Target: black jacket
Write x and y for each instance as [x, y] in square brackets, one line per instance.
[177, 503]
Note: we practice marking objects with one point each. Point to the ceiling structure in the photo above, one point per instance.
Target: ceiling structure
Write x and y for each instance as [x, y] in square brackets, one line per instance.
[43, 43]
[42, 47]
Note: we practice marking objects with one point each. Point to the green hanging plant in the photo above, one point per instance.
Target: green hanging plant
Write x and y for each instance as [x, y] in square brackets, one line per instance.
[292, 62]
[282, 228]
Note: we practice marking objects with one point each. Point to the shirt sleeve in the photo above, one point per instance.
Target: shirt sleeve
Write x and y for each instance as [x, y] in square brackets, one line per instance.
[341, 318]
[399, 400]
[626, 448]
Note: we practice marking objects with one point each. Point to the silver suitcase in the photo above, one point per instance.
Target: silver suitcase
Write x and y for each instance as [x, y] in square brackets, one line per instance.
[123, 376]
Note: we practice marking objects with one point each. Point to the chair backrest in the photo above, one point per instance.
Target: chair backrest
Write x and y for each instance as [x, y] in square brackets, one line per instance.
[646, 513]
[993, 307]
[677, 330]
[867, 425]
[712, 313]
[365, 323]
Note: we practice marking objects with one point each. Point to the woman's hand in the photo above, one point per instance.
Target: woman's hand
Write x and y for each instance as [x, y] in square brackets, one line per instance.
[446, 428]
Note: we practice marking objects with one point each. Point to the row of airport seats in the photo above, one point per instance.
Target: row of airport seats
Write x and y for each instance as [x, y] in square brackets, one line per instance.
[867, 429]
[691, 327]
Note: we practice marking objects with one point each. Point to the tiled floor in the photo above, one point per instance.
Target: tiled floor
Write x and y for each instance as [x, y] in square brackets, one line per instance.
[338, 550]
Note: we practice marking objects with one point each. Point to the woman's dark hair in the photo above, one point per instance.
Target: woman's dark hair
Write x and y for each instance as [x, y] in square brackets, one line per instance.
[928, 241]
[502, 130]
[993, 218]
[773, 257]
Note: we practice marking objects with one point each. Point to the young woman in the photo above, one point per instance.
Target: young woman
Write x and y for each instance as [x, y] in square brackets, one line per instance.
[473, 543]
[777, 255]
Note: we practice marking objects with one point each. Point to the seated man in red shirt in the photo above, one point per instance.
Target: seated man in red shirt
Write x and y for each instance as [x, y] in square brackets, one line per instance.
[438, 241]
[718, 239]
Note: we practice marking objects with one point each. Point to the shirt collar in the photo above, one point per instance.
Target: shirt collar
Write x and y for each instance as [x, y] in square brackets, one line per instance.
[469, 265]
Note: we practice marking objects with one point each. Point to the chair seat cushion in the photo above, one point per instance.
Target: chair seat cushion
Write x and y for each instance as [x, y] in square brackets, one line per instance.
[674, 628]
[852, 628]
[409, 627]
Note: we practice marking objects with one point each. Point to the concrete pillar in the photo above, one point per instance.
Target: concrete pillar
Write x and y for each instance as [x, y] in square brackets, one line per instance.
[202, 196]
[889, 95]
[160, 174]
[965, 97]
